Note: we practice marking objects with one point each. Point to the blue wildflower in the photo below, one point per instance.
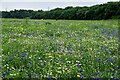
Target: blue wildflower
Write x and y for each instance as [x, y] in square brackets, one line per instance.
[29, 73]
[24, 54]
[15, 53]
[98, 72]
[49, 77]
[82, 77]
[4, 73]
[108, 70]
[35, 75]
[59, 48]
[96, 78]
[28, 67]
[50, 49]
[99, 59]
[113, 60]
[8, 57]
[113, 32]
[91, 76]
[78, 64]
[110, 53]
[70, 51]
[80, 71]
[116, 79]
[39, 57]
[44, 62]
[2, 37]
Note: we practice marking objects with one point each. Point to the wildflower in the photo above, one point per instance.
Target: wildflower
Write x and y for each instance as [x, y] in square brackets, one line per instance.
[70, 51]
[2, 37]
[108, 70]
[96, 78]
[91, 76]
[78, 64]
[15, 53]
[29, 73]
[116, 79]
[4, 73]
[35, 75]
[44, 62]
[106, 76]
[39, 57]
[28, 67]
[110, 53]
[8, 57]
[49, 77]
[113, 60]
[82, 77]
[99, 59]
[113, 32]
[24, 54]
[98, 72]
[80, 71]
[59, 48]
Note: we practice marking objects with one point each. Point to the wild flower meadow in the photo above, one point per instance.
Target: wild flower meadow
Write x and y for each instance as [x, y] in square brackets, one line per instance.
[63, 49]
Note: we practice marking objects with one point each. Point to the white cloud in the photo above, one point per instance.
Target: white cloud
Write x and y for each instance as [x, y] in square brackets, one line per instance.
[57, 0]
[43, 4]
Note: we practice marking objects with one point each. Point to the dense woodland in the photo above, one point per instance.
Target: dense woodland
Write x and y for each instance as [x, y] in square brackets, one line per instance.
[110, 10]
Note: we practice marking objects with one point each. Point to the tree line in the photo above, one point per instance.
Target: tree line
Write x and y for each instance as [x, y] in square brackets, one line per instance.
[110, 10]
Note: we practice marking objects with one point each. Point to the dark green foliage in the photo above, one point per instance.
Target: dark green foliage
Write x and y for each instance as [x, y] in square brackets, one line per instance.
[97, 12]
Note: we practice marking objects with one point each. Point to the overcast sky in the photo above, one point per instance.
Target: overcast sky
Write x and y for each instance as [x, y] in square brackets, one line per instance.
[45, 4]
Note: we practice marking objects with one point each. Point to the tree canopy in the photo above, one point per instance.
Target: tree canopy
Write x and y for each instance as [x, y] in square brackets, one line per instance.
[108, 10]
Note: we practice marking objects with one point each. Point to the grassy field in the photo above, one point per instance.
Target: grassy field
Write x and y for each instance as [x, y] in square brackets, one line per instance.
[60, 49]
